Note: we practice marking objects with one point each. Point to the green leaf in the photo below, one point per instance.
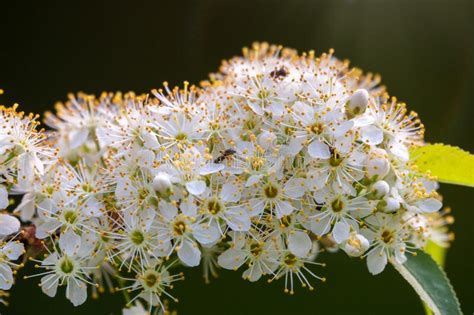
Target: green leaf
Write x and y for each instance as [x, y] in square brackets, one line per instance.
[438, 253]
[449, 164]
[430, 282]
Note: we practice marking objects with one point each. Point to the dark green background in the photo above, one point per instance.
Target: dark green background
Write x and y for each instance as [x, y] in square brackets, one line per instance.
[423, 49]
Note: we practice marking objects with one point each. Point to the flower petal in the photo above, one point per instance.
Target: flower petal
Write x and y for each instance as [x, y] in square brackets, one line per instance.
[376, 261]
[399, 150]
[14, 250]
[168, 210]
[321, 227]
[253, 273]
[196, 187]
[70, 242]
[341, 232]
[6, 277]
[299, 243]
[230, 192]
[188, 207]
[78, 137]
[372, 135]
[429, 205]
[3, 197]
[189, 253]
[8, 224]
[49, 284]
[319, 150]
[76, 291]
[252, 180]
[295, 187]
[211, 168]
[231, 259]
[205, 234]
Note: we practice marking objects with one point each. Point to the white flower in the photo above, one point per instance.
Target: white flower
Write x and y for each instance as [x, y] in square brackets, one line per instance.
[224, 208]
[288, 230]
[415, 196]
[26, 148]
[179, 232]
[387, 235]
[67, 266]
[260, 255]
[391, 127]
[377, 164]
[299, 243]
[135, 193]
[79, 119]
[340, 169]
[339, 214]
[86, 183]
[379, 189]
[293, 267]
[130, 128]
[178, 128]
[276, 195]
[63, 212]
[189, 168]
[176, 100]
[136, 240]
[263, 93]
[153, 282]
[314, 126]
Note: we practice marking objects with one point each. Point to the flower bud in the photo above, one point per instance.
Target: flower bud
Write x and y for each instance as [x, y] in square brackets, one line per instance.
[380, 189]
[389, 204]
[377, 165]
[162, 183]
[356, 245]
[357, 103]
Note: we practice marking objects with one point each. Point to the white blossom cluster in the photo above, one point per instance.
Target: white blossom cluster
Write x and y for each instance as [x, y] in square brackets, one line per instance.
[24, 155]
[276, 158]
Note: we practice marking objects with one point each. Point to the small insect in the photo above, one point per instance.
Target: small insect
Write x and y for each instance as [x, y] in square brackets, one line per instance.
[224, 155]
[279, 73]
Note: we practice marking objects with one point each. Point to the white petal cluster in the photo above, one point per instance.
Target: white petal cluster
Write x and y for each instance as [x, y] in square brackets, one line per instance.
[277, 156]
[24, 157]
[10, 250]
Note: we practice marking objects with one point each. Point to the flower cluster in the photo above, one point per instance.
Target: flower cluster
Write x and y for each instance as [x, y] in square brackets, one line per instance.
[24, 155]
[276, 157]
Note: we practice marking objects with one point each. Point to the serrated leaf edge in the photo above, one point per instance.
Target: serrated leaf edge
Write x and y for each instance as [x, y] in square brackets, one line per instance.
[413, 159]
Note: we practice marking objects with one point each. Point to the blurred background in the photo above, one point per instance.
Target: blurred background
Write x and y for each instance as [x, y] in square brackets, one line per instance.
[424, 51]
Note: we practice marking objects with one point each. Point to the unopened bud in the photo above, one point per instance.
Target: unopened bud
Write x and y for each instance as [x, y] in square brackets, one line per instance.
[356, 245]
[162, 183]
[389, 204]
[380, 189]
[357, 103]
